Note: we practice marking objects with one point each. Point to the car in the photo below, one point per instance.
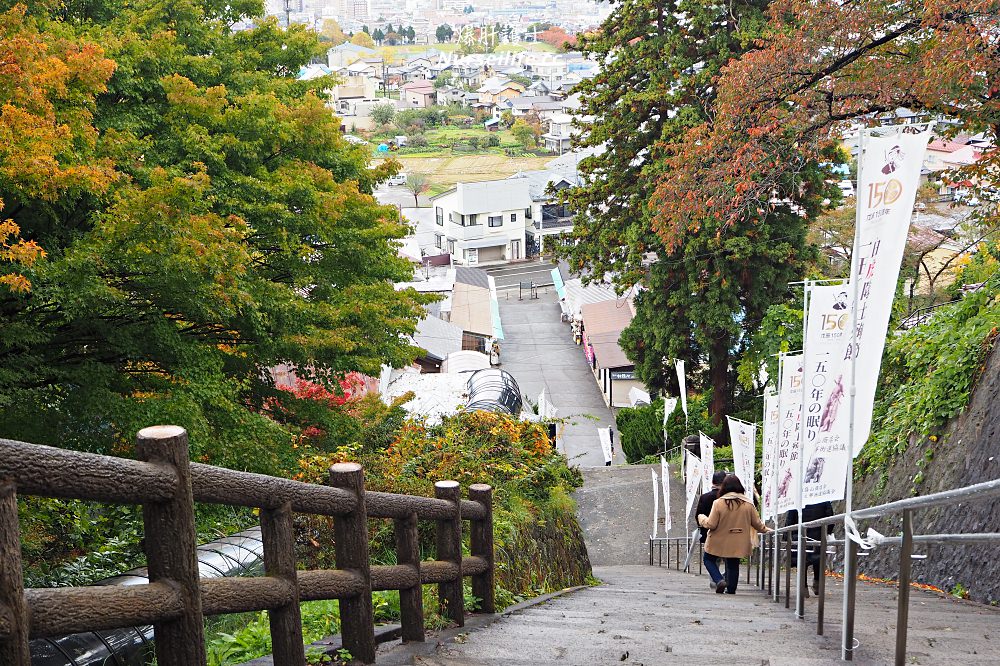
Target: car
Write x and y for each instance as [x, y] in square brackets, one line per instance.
[356, 140]
[398, 179]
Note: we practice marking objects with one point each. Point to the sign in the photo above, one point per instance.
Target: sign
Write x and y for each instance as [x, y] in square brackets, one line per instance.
[604, 434]
[692, 479]
[743, 436]
[707, 445]
[788, 432]
[665, 480]
[825, 410]
[889, 174]
[679, 367]
[769, 453]
[622, 375]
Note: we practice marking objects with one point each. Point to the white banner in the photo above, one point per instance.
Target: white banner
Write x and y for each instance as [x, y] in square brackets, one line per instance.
[665, 480]
[825, 376]
[788, 432]
[707, 445]
[692, 480]
[679, 367]
[743, 437]
[888, 178]
[769, 454]
[656, 506]
[604, 434]
[669, 405]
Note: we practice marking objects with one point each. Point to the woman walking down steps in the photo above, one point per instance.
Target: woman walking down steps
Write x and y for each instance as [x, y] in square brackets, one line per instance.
[731, 526]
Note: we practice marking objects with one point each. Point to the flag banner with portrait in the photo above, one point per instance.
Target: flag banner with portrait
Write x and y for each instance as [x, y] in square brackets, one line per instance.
[888, 178]
[707, 446]
[692, 480]
[656, 506]
[788, 432]
[769, 454]
[743, 437]
[826, 425]
[665, 480]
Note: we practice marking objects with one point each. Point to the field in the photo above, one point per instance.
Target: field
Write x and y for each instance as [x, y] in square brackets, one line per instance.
[400, 52]
[444, 171]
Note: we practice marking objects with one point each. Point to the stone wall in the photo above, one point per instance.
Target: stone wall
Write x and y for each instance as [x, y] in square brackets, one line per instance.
[968, 453]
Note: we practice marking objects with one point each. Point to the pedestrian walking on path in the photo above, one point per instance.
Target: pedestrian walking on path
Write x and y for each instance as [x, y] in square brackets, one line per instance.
[731, 526]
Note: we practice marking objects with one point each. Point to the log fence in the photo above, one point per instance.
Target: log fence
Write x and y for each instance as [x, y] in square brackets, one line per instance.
[176, 599]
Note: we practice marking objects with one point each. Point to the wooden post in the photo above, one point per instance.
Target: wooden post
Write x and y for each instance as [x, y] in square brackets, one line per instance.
[13, 609]
[278, 534]
[357, 617]
[481, 541]
[903, 607]
[449, 549]
[411, 601]
[170, 541]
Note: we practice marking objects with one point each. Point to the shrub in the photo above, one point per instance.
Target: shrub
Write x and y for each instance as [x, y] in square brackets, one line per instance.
[640, 430]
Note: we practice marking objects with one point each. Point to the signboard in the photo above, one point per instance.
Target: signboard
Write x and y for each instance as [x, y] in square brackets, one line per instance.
[788, 432]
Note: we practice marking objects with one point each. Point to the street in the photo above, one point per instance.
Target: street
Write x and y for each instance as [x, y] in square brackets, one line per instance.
[509, 276]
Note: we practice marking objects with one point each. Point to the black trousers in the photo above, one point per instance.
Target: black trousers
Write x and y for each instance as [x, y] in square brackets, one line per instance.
[732, 574]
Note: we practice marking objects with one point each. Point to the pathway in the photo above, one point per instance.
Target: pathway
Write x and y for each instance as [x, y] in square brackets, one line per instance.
[538, 350]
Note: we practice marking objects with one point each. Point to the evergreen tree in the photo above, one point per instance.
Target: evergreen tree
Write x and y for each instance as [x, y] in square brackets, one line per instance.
[708, 283]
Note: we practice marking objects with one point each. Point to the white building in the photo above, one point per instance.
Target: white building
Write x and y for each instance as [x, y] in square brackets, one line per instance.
[482, 223]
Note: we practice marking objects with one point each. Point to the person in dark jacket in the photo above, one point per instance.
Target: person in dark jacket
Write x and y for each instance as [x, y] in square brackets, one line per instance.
[705, 502]
[810, 513]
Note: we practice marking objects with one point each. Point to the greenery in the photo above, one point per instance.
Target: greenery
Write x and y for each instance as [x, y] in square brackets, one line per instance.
[640, 430]
[383, 114]
[928, 374]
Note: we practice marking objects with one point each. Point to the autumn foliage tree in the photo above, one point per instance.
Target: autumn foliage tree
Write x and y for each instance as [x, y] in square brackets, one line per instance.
[557, 37]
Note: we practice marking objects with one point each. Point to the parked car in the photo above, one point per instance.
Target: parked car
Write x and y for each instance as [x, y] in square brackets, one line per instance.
[356, 140]
[398, 179]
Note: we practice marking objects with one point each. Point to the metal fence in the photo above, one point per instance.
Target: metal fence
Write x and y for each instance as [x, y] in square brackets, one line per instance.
[176, 599]
[779, 549]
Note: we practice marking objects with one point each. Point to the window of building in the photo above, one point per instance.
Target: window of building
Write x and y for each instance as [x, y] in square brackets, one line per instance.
[472, 220]
[439, 215]
[496, 220]
[527, 213]
[438, 238]
[513, 217]
[451, 247]
[451, 217]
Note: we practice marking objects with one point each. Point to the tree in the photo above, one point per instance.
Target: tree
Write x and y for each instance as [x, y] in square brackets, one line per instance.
[507, 118]
[524, 133]
[332, 32]
[411, 34]
[444, 79]
[417, 184]
[557, 37]
[392, 38]
[214, 224]
[444, 33]
[378, 36]
[389, 28]
[363, 39]
[383, 114]
[709, 283]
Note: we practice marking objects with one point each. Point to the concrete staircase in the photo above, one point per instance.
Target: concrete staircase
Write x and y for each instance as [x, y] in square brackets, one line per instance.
[650, 615]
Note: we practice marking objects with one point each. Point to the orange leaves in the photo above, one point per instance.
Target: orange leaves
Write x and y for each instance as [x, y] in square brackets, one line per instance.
[16, 251]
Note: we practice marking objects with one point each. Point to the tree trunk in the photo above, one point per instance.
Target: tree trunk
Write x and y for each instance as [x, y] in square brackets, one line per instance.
[718, 370]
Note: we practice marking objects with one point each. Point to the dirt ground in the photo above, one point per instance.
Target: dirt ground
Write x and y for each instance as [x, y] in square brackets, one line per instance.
[445, 171]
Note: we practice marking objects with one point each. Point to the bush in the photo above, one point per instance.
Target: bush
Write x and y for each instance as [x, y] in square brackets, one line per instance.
[491, 141]
[417, 140]
[641, 430]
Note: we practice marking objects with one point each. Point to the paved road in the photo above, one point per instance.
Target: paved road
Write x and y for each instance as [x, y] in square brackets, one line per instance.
[397, 195]
[508, 276]
[538, 351]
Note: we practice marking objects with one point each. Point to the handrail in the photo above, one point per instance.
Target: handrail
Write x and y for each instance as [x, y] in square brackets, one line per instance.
[769, 554]
[176, 598]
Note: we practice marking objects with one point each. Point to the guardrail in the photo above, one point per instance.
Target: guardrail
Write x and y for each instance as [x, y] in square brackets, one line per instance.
[176, 599]
[780, 542]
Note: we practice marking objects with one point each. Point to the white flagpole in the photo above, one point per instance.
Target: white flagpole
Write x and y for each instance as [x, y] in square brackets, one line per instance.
[774, 484]
[800, 578]
[850, 562]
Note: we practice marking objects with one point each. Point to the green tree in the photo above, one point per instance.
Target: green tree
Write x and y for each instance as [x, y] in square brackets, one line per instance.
[378, 36]
[383, 114]
[444, 33]
[524, 133]
[238, 233]
[707, 284]
[417, 184]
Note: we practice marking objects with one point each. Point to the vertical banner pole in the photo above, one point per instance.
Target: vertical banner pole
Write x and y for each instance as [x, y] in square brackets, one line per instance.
[800, 572]
[774, 486]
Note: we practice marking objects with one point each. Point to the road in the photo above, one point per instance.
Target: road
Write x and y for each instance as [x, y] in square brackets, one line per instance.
[509, 276]
[539, 352]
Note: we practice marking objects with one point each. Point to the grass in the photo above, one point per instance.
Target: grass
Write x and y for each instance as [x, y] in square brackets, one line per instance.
[452, 47]
[444, 171]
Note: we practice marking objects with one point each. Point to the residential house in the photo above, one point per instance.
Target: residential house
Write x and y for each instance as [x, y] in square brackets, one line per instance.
[419, 94]
[438, 339]
[943, 155]
[483, 223]
[603, 324]
[548, 217]
[475, 310]
[347, 53]
[560, 133]
[496, 89]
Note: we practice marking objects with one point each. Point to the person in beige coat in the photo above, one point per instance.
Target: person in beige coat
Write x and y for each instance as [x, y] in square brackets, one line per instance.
[731, 527]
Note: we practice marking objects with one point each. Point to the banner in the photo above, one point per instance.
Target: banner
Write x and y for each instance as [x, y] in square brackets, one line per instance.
[679, 367]
[669, 405]
[888, 178]
[665, 480]
[743, 437]
[707, 460]
[788, 432]
[656, 506]
[825, 375]
[769, 453]
[605, 436]
[692, 480]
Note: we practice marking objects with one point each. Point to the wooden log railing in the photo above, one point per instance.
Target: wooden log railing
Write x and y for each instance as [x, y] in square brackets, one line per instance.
[176, 599]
